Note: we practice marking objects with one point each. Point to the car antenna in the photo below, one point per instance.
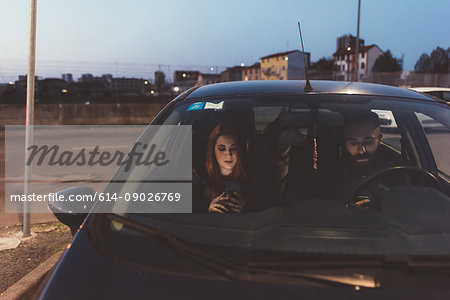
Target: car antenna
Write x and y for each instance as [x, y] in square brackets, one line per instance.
[308, 87]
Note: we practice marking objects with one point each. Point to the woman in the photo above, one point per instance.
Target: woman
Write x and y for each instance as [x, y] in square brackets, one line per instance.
[227, 182]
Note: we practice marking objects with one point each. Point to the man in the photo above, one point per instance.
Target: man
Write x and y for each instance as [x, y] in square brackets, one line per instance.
[361, 158]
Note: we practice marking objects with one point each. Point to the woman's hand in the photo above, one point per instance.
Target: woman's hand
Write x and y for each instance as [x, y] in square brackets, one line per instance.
[223, 203]
[216, 205]
[235, 202]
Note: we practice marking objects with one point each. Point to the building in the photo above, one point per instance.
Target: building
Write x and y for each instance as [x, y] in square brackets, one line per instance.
[347, 40]
[185, 78]
[232, 74]
[89, 85]
[160, 80]
[108, 85]
[345, 62]
[252, 73]
[52, 87]
[130, 86]
[204, 79]
[68, 77]
[20, 85]
[6, 89]
[284, 65]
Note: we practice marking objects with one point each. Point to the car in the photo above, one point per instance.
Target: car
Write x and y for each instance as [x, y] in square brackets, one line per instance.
[439, 92]
[301, 242]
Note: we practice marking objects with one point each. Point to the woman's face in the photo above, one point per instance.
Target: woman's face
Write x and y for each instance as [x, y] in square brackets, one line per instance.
[226, 154]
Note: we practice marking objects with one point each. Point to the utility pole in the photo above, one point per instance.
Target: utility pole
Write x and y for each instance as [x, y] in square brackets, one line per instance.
[357, 44]
[30, 113]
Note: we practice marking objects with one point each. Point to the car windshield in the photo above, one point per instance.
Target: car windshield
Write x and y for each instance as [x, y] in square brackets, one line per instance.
[342, 174]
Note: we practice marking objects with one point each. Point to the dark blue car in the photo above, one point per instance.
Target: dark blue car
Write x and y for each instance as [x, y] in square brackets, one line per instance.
[313, 230]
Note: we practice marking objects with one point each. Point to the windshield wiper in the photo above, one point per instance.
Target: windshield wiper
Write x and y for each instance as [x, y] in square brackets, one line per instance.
[404, 262]
[247, 272]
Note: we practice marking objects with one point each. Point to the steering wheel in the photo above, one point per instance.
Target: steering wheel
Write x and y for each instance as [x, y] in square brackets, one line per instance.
[427, 177]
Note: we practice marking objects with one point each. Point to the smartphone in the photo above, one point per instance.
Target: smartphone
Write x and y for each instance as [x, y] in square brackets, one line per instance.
[232, 187]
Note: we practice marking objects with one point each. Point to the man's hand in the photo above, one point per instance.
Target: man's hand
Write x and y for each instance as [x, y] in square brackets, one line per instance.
[363, 203]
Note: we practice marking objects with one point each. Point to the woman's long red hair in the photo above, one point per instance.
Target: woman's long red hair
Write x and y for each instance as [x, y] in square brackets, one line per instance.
[215, 182]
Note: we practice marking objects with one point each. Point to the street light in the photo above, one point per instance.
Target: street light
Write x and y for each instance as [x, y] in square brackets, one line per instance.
[29, 119]
[357, 44]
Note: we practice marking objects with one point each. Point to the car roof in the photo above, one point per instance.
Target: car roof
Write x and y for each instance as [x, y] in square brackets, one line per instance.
[258, 87]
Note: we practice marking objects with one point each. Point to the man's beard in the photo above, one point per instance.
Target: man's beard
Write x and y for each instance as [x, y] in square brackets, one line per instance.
[362, 160]
[363, 164]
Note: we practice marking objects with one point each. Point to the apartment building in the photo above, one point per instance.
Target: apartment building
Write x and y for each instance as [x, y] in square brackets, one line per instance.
[284, 65]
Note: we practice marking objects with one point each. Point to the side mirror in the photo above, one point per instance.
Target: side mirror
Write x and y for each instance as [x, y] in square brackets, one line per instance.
[73, 211]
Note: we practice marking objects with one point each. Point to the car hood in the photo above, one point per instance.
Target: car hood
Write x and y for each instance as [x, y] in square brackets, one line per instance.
[84, 272]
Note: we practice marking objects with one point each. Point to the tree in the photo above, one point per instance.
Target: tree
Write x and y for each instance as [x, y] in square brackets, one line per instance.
[322, 69]
[386, 63]
[423, 64]
[323, 64]
[437, 62]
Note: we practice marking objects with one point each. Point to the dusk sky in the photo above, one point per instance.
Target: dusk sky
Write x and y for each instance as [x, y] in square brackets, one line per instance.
[216, 33]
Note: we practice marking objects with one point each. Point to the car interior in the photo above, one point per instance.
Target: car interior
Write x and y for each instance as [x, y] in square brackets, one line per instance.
[321, 126]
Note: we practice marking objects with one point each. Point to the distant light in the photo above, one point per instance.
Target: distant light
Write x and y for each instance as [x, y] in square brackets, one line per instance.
[11, 82]
[152, 92]
[64, 91]
[349, 48]
[176, 89]
[146, 82]
[242, 64]
[286, 58]
[184, 75]
[212, 69]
